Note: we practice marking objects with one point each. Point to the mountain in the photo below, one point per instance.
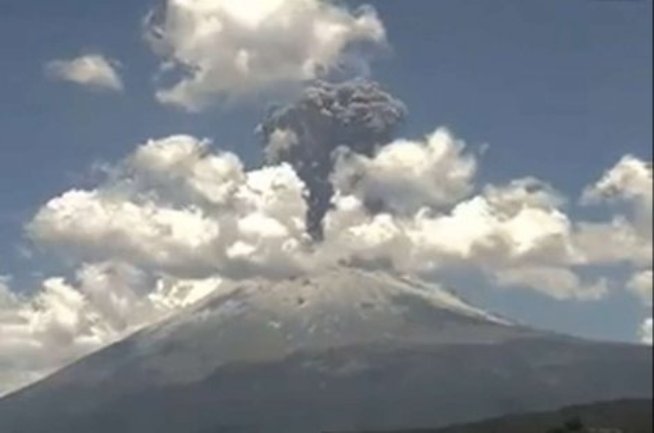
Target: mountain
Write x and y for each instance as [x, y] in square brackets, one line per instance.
[624, 416]
[345, 350]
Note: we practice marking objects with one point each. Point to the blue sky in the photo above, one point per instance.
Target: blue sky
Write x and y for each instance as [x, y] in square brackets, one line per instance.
[558, 89]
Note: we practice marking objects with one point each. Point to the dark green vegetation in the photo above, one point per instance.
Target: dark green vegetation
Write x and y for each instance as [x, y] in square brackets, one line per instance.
[626, 416]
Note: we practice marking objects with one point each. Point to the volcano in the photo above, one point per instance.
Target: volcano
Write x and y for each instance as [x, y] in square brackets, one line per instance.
[345, 350]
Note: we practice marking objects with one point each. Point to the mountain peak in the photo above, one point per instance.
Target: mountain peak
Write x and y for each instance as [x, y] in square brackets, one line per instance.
[263, 320]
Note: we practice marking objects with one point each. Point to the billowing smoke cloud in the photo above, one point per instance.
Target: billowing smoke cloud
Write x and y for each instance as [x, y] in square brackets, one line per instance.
[357, 116]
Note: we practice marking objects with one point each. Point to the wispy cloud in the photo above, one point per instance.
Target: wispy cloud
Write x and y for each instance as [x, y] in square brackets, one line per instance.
[92, 71]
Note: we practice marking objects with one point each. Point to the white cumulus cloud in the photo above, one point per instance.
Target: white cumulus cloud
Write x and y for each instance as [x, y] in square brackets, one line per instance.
[92, 70]
[405, 176]
[502, 225]
[628, 187]
[630, 180]
[224, 49]
[174, 206]
[100, 225]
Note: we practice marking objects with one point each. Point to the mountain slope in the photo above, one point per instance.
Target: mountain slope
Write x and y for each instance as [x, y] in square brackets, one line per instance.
[628, 416]
[345, 350]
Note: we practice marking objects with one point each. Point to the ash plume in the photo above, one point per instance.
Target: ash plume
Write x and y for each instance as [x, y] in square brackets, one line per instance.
[358, 116]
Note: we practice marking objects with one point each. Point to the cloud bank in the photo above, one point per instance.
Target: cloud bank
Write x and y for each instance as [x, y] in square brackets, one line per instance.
[176, 217]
